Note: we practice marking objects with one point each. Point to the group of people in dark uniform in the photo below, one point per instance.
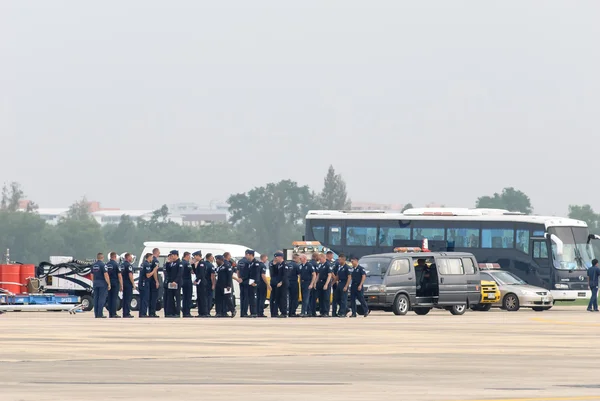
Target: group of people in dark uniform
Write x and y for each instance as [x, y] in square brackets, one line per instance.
[313, 280]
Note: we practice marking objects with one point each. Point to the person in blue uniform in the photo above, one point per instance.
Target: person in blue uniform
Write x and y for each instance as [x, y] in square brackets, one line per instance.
[275, 285]
[230, 262]
[101, 285]
[335, 299]
[243, 273]
[175, 281]
[116, 285]
[224, 288]
[263, 286]
[154, 284]
[186, 285]
[283, 283]
[143, 285]
[254, 279]
[307, 282]
[211, 281]
[199, 270]
[324, 285]
[128, 284]
[293, 274]
[314, 294]
[356, 289]
[343, 281]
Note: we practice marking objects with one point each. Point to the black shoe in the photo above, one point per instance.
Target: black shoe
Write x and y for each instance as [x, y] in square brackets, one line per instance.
[101, 317]
[261, 316]
[187, 316]
[368, 313]
[128, 317]
[115, 317]
[282, 316]
[352, 315]
[155, 316]
[233, 313]
[342, 316]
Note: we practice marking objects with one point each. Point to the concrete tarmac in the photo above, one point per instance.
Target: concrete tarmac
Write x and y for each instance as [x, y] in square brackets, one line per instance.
[496, 355]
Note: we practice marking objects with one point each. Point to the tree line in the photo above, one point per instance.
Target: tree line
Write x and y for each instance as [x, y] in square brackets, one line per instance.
[265, 218]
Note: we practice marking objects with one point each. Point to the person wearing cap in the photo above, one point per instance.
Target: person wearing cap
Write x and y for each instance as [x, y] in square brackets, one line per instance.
[307, 279]
[187, 285]
[263, 285]
[253, 280]
[128, 284]
[154, 285]
[282, 284]
[243, 272]
[293, 274]
[143, 283]
[116, 285]
[199, 270]
[211, 281]
[324, 285]
[175, 281]
[101, 286]
[344, 275]
[314, 294]
[223, 301]
[356, 288]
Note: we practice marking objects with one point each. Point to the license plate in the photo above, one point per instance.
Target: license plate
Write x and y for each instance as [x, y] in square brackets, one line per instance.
[581, 294]
[491, 296]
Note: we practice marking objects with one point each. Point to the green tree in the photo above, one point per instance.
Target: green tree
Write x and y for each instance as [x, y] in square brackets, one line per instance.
[81, 233]
[510, 199]
[271, 217]
[587, 214]
[12, 195]
[334, 196]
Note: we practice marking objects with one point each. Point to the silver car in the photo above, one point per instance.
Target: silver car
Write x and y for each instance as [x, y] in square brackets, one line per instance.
[516, 293]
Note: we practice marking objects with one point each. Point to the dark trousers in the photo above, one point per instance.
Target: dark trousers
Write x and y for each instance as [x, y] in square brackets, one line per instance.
[594, 299]
[252, 300]
[282, 302]
[293, 292]
[165, 303]
[324, 298]
[274, 300]
[127, 297]
[174, 302]
[100, 295]
[144, 299]
[342, 299]
[314, 294]
[261, 298]
[354, 295]
[210, 298]
[223, 302]
[153, 299]
[335, 300]
[187, 298]
[244, 300]
[202, 300]
[305, 298]
[113, 298]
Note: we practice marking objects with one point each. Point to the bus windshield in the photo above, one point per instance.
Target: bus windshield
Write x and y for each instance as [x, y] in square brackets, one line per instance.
[577, 253]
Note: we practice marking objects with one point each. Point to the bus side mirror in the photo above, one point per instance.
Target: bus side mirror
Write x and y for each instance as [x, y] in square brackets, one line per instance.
[558, 242]
[592, 236]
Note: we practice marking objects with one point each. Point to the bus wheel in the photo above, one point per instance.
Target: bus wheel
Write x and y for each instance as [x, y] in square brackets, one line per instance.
[421, 311]
[511, 302]
[458, 309]
[87, 303]
[401, 305]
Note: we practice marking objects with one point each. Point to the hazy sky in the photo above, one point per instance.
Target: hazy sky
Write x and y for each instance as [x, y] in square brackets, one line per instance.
[411, 101]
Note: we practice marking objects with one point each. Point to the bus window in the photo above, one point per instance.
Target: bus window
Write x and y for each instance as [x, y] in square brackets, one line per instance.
[388, 235]
[361, 236]
[540, 250]
[463, 237]
[436, 234]
[497, 238]
[318, 232]
[335, 235]
[523, 241]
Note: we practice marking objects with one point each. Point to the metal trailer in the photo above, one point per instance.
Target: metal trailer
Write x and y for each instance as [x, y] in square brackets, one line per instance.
[39, 302]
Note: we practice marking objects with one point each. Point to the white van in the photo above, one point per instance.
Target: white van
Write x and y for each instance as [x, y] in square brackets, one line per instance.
[237, 252]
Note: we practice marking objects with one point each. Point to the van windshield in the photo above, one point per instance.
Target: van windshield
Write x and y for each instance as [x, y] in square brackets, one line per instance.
[375, 266]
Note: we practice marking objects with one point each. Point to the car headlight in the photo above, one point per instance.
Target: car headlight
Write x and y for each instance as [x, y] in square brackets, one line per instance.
[561, 286]
[527, 292]
[376, 288]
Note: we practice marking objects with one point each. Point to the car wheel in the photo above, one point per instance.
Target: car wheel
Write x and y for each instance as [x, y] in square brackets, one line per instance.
[401, 305]
[485, 307]
[87, 303]
[458, 309]
[134, 304]
[511, 302]
[421, 311]
[541, 308]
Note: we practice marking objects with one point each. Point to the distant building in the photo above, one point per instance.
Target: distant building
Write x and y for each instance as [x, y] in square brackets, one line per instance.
[192, 214]
[52, 216]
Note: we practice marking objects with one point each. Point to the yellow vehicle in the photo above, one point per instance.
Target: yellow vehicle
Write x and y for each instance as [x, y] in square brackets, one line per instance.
[490, 294]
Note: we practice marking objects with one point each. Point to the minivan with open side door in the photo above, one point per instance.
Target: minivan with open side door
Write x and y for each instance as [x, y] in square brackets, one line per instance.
[409, 279]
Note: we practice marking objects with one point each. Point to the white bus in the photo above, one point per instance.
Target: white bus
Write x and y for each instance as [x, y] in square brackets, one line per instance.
[549, 252]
